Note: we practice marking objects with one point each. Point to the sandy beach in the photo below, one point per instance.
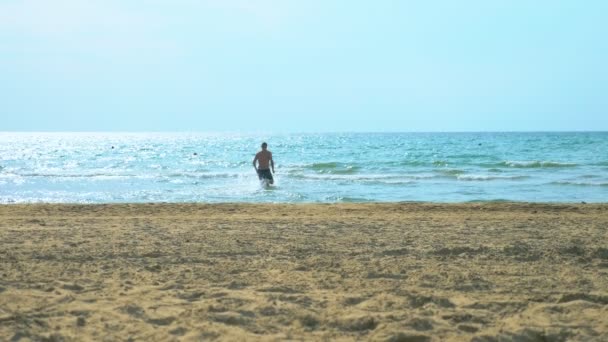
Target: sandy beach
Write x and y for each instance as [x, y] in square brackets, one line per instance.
[314, 272]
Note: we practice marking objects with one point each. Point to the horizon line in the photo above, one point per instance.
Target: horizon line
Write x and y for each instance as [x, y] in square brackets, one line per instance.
[299, 132]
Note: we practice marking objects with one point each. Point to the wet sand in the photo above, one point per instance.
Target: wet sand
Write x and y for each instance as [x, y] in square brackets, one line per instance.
[386, 272]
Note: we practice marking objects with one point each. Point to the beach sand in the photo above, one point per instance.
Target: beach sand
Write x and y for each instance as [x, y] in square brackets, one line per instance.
[386, 272]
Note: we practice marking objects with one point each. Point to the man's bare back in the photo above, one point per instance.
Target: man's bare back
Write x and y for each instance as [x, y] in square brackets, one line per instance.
[264, 158]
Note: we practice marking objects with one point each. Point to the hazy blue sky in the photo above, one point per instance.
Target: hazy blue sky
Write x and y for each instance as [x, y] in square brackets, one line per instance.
[280, 65]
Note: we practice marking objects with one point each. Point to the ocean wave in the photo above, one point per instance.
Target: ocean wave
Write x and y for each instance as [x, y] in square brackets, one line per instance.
[102, 175]
[390, 181]
[388, 178]
[72, 175]
[322, 166]
[535, 164]
[489, 177]
[345, 199]
[470, 156]
[409, 178]
[575, 183]
[206, 175]
[494, 200]
[451, 172]
[334, 168]
[440, 163]
[405, 163]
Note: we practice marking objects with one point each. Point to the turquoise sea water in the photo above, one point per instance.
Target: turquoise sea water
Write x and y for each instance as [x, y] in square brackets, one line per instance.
[332, 167]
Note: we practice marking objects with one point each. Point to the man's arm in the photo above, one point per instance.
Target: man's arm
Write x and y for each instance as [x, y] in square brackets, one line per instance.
[255, 160]
[272, 163]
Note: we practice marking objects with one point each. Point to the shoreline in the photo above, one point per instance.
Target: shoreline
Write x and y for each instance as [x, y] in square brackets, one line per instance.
[379, 203]
[422, 271]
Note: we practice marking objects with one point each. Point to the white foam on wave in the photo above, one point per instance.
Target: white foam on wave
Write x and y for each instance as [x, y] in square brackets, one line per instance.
[536, 163]
[205, 175]
[14, 178]
[81, 175]
[474, 177]
[578, 183]
[367, 177]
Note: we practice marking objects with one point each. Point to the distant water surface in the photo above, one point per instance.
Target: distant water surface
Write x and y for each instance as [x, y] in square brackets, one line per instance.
[332, 167]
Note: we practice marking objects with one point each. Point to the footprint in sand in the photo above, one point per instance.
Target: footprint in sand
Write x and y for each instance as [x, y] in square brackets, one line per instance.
[420, 324]
[134, 311]
[405, 337]
[179, 331]
[570, 297]
[356, 323]
[353, 300]
[161, 321]
[231, 318]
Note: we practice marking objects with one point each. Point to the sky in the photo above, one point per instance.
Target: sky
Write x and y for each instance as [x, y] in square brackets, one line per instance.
[303, 65]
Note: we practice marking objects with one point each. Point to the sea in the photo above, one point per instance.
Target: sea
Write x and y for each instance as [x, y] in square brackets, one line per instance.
[310, 168]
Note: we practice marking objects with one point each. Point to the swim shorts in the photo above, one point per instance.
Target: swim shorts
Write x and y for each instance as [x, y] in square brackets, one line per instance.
[265, 174]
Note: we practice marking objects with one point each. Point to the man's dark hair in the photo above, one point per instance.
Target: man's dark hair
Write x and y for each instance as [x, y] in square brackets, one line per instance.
[264, 145]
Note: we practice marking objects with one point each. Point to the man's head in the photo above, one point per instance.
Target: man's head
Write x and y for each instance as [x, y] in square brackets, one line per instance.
[264, 145]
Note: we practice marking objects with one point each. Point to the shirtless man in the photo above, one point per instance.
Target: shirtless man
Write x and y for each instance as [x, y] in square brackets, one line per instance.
[264, 157]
